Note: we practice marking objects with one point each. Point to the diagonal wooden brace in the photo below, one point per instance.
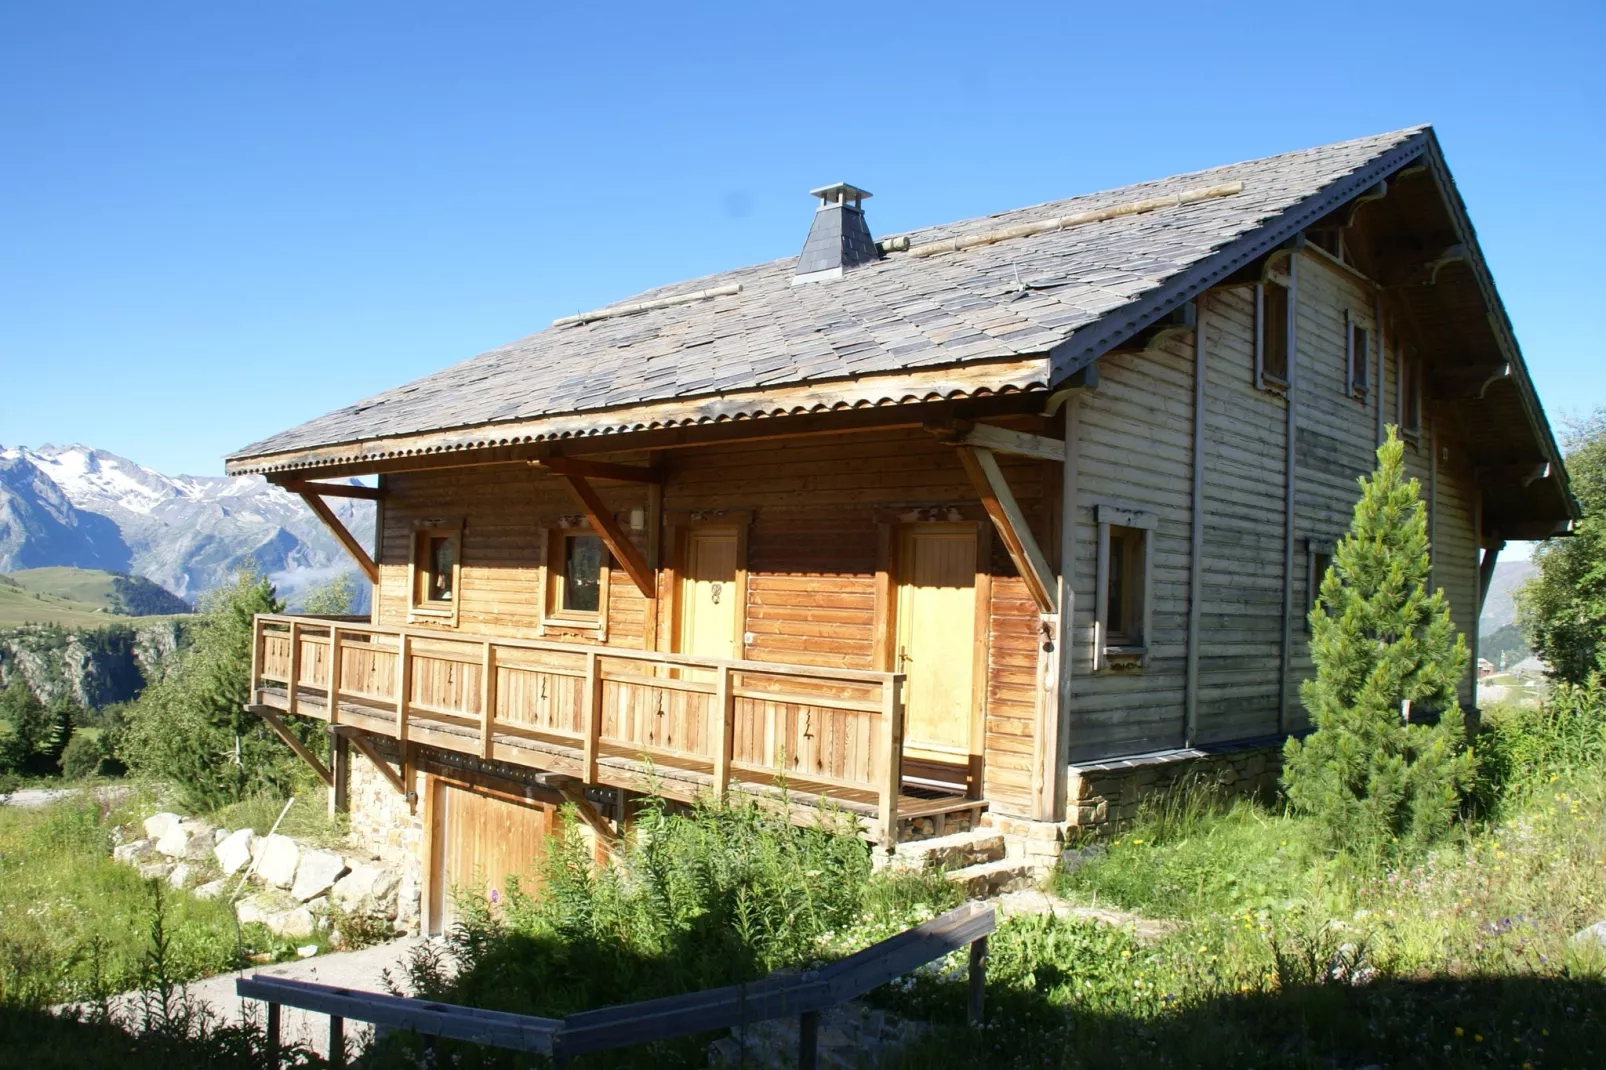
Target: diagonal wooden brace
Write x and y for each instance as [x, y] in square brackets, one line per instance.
[367, 750]
[1006, 516]
[282, 730]
[624, 551]
[344, 537]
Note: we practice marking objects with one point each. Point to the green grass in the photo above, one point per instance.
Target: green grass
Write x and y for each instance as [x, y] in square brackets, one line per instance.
[74, 597]
[21, 606]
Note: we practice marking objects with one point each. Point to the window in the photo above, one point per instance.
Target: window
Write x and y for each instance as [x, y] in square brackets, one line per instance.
[577, 578]
[1358, 357]
[1318, 559]
[1271, 336]
[1410, 392]
[1125, 563]
[436, 567]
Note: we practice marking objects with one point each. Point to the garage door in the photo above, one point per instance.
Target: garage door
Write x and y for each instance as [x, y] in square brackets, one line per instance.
[477, 841]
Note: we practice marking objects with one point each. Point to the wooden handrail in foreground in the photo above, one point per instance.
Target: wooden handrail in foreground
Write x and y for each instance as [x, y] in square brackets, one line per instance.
[803, 995]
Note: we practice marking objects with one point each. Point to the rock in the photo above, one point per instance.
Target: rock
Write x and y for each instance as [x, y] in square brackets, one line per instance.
[277, 863]
[155, 871]
[317, 874]
[277, 912]
[1592, 936]
[233, 852]
[181, 875]
[187, 839]
[132, 852]
[367, 888]
[219, 835]
[306, 951]
[156, 825]
[212, 889]
[407, 916]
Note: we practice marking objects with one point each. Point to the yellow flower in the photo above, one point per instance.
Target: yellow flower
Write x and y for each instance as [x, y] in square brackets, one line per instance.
[1477, 1038]
[1460, 1032]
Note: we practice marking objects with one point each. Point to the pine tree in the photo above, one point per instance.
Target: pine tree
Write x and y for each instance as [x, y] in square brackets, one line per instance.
[1378, 777]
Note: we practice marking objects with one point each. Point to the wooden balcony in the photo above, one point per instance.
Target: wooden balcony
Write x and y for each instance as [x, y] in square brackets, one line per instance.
[676, 724]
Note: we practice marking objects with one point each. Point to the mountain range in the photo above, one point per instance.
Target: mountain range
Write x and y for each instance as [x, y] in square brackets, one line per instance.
[87, 508]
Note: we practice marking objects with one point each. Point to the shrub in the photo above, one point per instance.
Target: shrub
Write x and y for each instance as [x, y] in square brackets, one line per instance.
[1374, 776]
[81, 757]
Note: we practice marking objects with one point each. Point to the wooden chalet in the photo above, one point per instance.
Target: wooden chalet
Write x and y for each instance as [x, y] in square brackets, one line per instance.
[960, 522]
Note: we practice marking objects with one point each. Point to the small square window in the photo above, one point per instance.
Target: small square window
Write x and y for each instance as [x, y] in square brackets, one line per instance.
[1125, 561]
[436, 565]
[577, 578]
[1359, 356]
[1271, 336]
[1318, 559]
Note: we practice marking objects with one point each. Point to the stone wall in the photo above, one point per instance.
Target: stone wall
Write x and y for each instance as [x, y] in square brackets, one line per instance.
[386, 824]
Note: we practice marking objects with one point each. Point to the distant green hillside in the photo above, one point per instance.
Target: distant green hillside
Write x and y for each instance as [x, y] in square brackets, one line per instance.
[76, 597]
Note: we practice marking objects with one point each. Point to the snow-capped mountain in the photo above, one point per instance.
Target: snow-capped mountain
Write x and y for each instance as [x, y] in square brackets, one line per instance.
[73, 505]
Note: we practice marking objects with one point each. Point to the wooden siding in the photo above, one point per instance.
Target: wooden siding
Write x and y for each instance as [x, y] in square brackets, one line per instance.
[812, 557]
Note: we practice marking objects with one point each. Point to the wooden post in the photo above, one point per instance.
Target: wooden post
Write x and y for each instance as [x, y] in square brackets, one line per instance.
[591, 716]
[1290, 490]
[808, 1040]
[340, 768]
[295, 667]
[724, 708]
[487, 699]
[337, 1041]
[334, 675]
[1190, 702]
[272, 1030]
[404, 684]
[892, 754]
[256, 659]
[978, 979]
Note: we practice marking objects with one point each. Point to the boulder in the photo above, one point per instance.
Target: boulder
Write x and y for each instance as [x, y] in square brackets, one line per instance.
[367, 888]
[277, 862]
[155, 871]
[181, 875]
[281, 915]
[187, 839]
[233, 852]
[407, 915]
[133, 851]
[156, 825]
[317, 874]
[212, 889]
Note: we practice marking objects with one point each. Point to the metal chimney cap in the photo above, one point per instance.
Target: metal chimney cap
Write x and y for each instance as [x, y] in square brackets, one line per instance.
[840, 193]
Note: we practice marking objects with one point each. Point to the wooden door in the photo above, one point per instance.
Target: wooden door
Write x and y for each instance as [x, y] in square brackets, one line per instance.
[478, 840]
[936, 632]
[710, 598]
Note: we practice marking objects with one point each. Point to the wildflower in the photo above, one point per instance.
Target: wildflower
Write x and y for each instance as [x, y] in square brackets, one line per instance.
[1460, 1032]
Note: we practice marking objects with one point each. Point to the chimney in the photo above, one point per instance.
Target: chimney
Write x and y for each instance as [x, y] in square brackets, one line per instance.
[839, 239]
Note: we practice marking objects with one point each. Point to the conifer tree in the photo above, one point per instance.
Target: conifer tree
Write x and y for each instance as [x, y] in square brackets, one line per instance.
[1378, 776]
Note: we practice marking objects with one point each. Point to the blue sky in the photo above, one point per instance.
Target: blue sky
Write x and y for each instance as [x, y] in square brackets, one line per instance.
[219, 220]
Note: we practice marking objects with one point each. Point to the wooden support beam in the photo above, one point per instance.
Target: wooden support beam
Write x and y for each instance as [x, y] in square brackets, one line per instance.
[282, 730]
[1512, 475]
[573, 466]
[1491, 556]
[613, 536]
[344, 537]
[333, 490]
[573, 791]
[367, 750]
[1004, 440]
[1007, 517]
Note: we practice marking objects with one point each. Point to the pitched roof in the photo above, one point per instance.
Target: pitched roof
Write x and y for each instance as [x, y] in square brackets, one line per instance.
[1028, 296]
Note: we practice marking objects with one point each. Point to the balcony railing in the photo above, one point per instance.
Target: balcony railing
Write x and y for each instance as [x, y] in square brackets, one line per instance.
[675, 723]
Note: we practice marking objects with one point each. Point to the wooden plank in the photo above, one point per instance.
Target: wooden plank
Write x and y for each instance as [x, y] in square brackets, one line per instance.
[334, 675]
[978, 980]
[282, 730]
[332, 490]
[573, 466]
[723, 711]
[1007, 517]
[366, 749]
[591, 717]
[892, 755]
[404, 685]
[293, 694]
[607, 528]
[342, 536]
[337, 1042]
[487, 699]
[1019, 443]
[1290, 461]
[1190, 711]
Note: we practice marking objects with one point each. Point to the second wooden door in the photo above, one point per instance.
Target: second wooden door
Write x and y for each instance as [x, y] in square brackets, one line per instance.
[937, 639]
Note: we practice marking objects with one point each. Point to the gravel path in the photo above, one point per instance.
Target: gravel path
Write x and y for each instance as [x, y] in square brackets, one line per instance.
[38, 798]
